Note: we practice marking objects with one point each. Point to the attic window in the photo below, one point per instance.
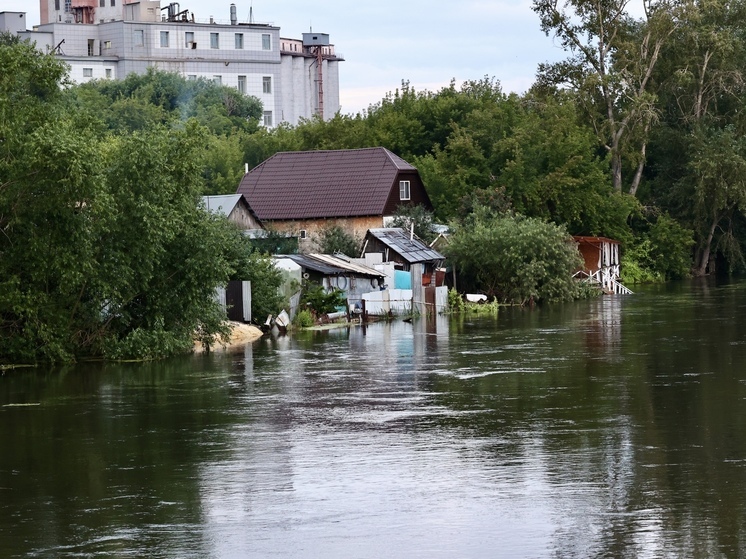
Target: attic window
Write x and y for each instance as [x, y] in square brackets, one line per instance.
[403, 190]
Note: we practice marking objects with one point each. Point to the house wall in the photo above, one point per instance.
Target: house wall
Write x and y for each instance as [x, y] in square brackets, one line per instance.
[122, 46]
[417, 194]
[355, 226]
[590, 256]
[242, 217]
[599, 255]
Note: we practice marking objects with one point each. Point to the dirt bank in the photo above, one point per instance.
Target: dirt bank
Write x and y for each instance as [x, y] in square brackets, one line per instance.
[241, 334]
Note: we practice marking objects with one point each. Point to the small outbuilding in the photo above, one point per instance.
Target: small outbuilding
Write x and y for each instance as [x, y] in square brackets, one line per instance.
[236, 208]
[405, 249]
[336, 272]
[601, 263]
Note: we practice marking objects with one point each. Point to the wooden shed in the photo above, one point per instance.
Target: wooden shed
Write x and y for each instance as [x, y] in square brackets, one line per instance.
[601, 263]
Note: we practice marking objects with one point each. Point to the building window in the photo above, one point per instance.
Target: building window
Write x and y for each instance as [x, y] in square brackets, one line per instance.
[242, 84]
[192, 77]
[138, 37]
[107, 44]
[68, 6]
[91, 46]
[57, 5]
[403, 190]
[102, 4]
[239, 41]
[267, 118]
[164, 39]
[217, 79]
[189, 39]
[87, 72]
[266, 41]
[302, 234]
[108, 73]
[214, 40]
[113, 3]
[267, 84]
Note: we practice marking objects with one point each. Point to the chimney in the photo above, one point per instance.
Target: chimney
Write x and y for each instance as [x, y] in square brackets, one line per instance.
[234, 17]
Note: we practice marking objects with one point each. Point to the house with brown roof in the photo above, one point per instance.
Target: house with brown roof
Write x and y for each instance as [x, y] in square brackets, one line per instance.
[304, 192]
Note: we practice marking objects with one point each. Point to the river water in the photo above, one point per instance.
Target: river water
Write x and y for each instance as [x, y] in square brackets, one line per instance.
[605, 428]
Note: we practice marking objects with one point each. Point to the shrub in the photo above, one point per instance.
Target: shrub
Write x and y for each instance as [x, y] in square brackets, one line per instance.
[455, 301]
[304, 319]
[513, 258]
[334, 239]
[638, 266]
[317, 299]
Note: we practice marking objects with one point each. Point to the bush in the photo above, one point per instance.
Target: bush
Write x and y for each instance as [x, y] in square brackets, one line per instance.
[315, 298]
[304, 319]
[638, 265]
[513, 258]
[334, 239]
[671, 245]
[455, 301]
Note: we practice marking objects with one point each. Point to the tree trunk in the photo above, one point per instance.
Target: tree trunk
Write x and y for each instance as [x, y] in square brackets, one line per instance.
[616, 168]
[638, 173]
[701, 268]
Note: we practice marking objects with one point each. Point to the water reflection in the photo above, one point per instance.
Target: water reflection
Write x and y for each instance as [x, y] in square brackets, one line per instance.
[610, 427]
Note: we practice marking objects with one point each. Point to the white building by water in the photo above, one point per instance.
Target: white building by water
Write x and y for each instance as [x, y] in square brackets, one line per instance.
[108, 39]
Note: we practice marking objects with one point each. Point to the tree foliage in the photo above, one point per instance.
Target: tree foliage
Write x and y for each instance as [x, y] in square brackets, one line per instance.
[514, 258]
[333, 239]
[417, 219]
[104, 248]
[610, 67]
[320, 301]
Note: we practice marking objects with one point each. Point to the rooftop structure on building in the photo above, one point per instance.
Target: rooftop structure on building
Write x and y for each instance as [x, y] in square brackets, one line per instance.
[108, 39]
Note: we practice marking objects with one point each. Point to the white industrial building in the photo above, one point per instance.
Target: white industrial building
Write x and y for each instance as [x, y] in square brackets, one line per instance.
[108, 39]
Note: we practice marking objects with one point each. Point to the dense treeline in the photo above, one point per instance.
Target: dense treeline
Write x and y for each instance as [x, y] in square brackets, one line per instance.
[104, 248]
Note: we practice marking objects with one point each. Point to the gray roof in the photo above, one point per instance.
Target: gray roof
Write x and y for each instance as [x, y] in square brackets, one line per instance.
[221, 204]
[412, 249]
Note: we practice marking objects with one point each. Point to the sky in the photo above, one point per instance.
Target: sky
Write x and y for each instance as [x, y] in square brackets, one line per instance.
[385, 42]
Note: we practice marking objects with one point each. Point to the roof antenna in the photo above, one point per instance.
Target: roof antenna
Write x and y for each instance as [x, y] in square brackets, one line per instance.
[251, 12]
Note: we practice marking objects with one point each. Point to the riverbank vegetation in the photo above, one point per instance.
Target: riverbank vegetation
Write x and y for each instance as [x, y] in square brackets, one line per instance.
[639, 135]
[104, 249]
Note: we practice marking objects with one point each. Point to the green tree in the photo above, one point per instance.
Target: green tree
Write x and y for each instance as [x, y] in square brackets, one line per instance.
[417, 219]
[520, 260]
[611, 63]
[105, 250]
[718, 167]
[333, 239]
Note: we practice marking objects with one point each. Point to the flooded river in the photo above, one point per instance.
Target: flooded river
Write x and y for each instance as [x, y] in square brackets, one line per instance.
[606, 428]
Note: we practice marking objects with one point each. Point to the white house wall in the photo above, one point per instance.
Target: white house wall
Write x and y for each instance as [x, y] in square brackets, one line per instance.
[118, 48]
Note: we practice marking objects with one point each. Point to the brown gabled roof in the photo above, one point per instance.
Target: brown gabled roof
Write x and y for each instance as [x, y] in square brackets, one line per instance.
[317, 184]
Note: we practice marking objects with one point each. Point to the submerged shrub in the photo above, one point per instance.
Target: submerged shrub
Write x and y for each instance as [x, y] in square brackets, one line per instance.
[513, 258]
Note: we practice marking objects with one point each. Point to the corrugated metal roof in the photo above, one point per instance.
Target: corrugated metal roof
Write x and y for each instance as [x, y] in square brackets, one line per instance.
[332, 266]
[324, 183]
[412, 250]
[358, 269]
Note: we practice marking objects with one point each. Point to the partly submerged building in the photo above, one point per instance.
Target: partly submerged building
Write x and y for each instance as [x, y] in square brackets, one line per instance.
[109, 39]
[601, 263]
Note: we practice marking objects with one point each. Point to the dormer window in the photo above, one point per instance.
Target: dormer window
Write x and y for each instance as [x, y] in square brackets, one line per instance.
[403, 190]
